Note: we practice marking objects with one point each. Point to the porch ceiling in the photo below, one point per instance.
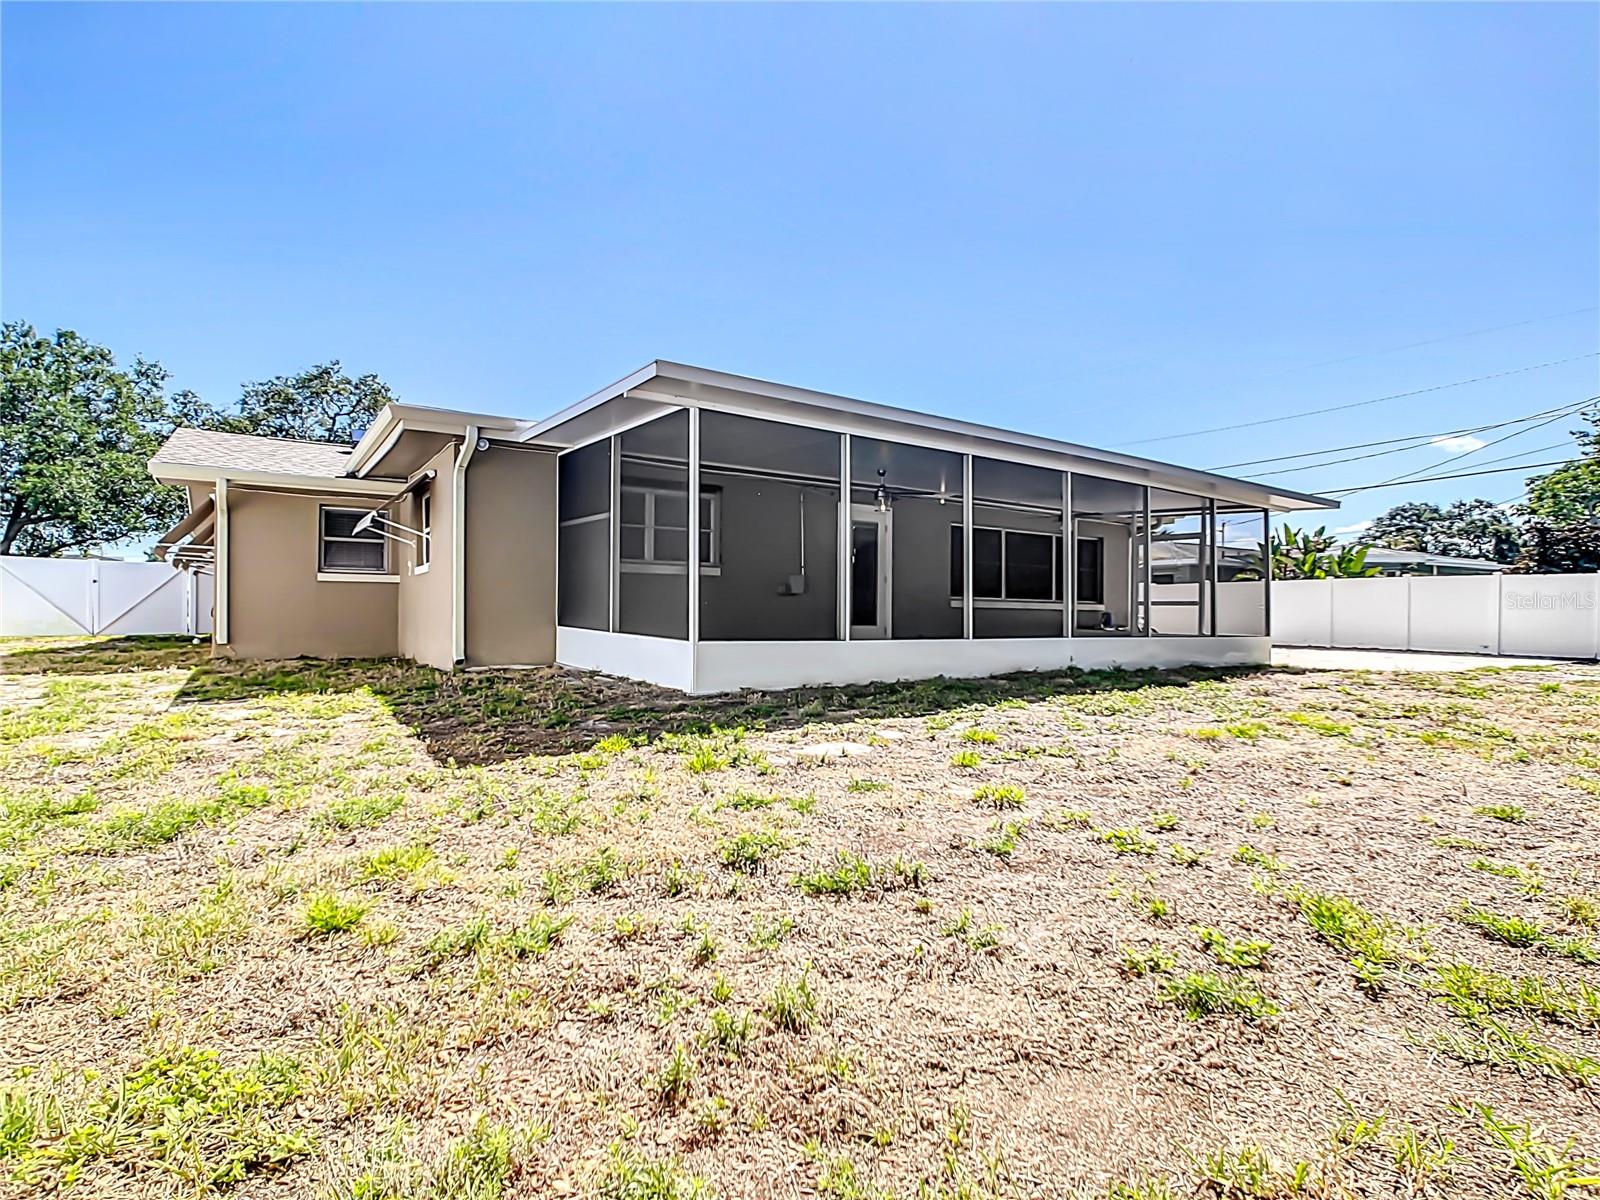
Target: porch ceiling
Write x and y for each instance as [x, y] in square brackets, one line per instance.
[662, 386]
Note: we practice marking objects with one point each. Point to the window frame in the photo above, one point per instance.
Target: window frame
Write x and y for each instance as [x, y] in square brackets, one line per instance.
[425, 527]
[650, 564]
[324, 537]
[1003, 600]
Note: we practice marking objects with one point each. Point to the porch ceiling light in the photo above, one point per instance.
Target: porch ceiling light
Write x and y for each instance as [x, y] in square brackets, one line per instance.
[882, 494]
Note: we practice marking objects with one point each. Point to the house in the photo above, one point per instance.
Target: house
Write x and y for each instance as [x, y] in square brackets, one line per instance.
[829, 541]
[1418, 562]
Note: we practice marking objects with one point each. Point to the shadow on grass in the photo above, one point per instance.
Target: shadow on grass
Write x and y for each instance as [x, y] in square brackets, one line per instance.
[486, 716]
[82, 655]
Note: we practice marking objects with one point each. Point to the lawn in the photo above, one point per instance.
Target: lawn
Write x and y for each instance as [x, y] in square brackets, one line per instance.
[364, 931]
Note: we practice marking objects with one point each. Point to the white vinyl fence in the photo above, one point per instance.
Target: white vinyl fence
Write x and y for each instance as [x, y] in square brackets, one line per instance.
[56, 597]
[1538, 616]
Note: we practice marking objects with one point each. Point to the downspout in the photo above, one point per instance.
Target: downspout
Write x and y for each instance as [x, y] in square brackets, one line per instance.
[458, 548]
[219, 623]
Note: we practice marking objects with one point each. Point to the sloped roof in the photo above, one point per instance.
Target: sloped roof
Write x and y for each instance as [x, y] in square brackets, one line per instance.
[247, 452]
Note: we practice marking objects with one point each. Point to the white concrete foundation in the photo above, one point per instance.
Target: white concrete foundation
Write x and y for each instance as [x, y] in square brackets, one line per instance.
[730, 666]
[667, 661]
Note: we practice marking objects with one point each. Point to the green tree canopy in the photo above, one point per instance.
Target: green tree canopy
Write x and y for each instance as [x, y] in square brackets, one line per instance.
[320, 404]
[76, 432]
[1561, 529]
[1465, 529]
[1570, 495]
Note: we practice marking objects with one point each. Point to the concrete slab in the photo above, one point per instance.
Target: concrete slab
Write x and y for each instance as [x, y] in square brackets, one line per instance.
[1318, 659]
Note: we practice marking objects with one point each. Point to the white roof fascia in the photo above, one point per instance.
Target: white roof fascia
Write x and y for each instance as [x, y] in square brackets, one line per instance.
[778, 401]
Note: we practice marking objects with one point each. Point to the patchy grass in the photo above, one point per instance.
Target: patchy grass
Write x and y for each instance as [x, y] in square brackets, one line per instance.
[367, 930]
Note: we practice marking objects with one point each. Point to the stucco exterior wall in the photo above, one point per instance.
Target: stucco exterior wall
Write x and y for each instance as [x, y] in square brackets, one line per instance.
[425, 598]
[277, 608]
[510, 557]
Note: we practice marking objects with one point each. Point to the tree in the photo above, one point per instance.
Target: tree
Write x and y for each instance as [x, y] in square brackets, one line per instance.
[76, 433]
[320, 404]
[1300, 555]
[1561, 528]
[1570, 495]
[1465, 529]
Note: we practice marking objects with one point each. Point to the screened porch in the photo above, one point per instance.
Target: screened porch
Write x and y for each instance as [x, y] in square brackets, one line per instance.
[822, 555]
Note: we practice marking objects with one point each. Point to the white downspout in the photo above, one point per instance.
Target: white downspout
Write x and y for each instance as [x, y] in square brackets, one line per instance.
[219, 630]
[458, 548]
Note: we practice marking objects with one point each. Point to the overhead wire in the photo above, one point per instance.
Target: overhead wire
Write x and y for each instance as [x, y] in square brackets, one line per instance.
[1317, 412]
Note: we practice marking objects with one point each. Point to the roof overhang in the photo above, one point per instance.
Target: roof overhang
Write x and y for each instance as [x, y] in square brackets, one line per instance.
[663, 386]
[396, 420]
[175, 473]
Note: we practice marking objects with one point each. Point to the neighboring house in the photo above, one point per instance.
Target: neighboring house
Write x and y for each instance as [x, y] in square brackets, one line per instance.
[460, 539]
[1416, 562]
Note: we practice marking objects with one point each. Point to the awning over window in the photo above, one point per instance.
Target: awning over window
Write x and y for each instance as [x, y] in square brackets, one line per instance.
[191, 536]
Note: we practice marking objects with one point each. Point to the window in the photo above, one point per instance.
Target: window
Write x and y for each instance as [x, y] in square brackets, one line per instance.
[425, 522]
[346, 552]
[654, 527]
[1091, 571]
[1009, 565]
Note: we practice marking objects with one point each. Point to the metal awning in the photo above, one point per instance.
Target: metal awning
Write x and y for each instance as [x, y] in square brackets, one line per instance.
[193, 531]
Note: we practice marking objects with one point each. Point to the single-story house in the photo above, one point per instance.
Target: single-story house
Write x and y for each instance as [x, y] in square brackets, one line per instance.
[1419, 562]
[828, 541]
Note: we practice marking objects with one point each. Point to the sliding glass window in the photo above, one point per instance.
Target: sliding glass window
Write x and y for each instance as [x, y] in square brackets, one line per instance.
[905, 502]
[773, 494]
[584, 541]
[1018, 554]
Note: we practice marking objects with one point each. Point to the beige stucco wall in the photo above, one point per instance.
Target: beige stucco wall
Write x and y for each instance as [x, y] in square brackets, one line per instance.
[511, 557]
[277, 608]
[424, 608]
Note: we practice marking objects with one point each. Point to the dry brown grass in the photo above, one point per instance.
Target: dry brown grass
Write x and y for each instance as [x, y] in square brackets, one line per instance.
[259, 931]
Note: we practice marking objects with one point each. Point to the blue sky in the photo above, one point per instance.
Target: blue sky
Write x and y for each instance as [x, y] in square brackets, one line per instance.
[1103, 223]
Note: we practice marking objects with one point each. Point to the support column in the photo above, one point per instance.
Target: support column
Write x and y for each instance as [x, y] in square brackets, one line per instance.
[614, 521]
[694, 529]
[966, 546]
[1266, 598]
[1213, 568]
[843, 600]
[1069, 560]
[1149, 571]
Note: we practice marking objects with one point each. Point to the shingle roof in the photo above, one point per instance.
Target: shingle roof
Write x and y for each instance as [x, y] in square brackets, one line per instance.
[246, 452]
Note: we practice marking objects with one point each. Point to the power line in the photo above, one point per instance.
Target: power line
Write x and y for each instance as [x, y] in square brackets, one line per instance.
[1495, 442]
[1317, 412]
[1414, 437]
[1369, 487]
[1426, 439]
[1328, 362]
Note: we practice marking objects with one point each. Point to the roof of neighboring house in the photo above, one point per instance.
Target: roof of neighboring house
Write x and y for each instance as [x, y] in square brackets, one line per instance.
[1383, 556]
[247, 452]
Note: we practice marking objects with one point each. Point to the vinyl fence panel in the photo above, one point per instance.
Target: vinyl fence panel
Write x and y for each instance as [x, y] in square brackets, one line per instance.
[1536, 616]
[1454, 613]
[1376, 615]
[1552, 616]
[59, 597]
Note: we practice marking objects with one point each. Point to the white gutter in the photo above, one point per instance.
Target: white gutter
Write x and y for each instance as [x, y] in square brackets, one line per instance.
[458, 548]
